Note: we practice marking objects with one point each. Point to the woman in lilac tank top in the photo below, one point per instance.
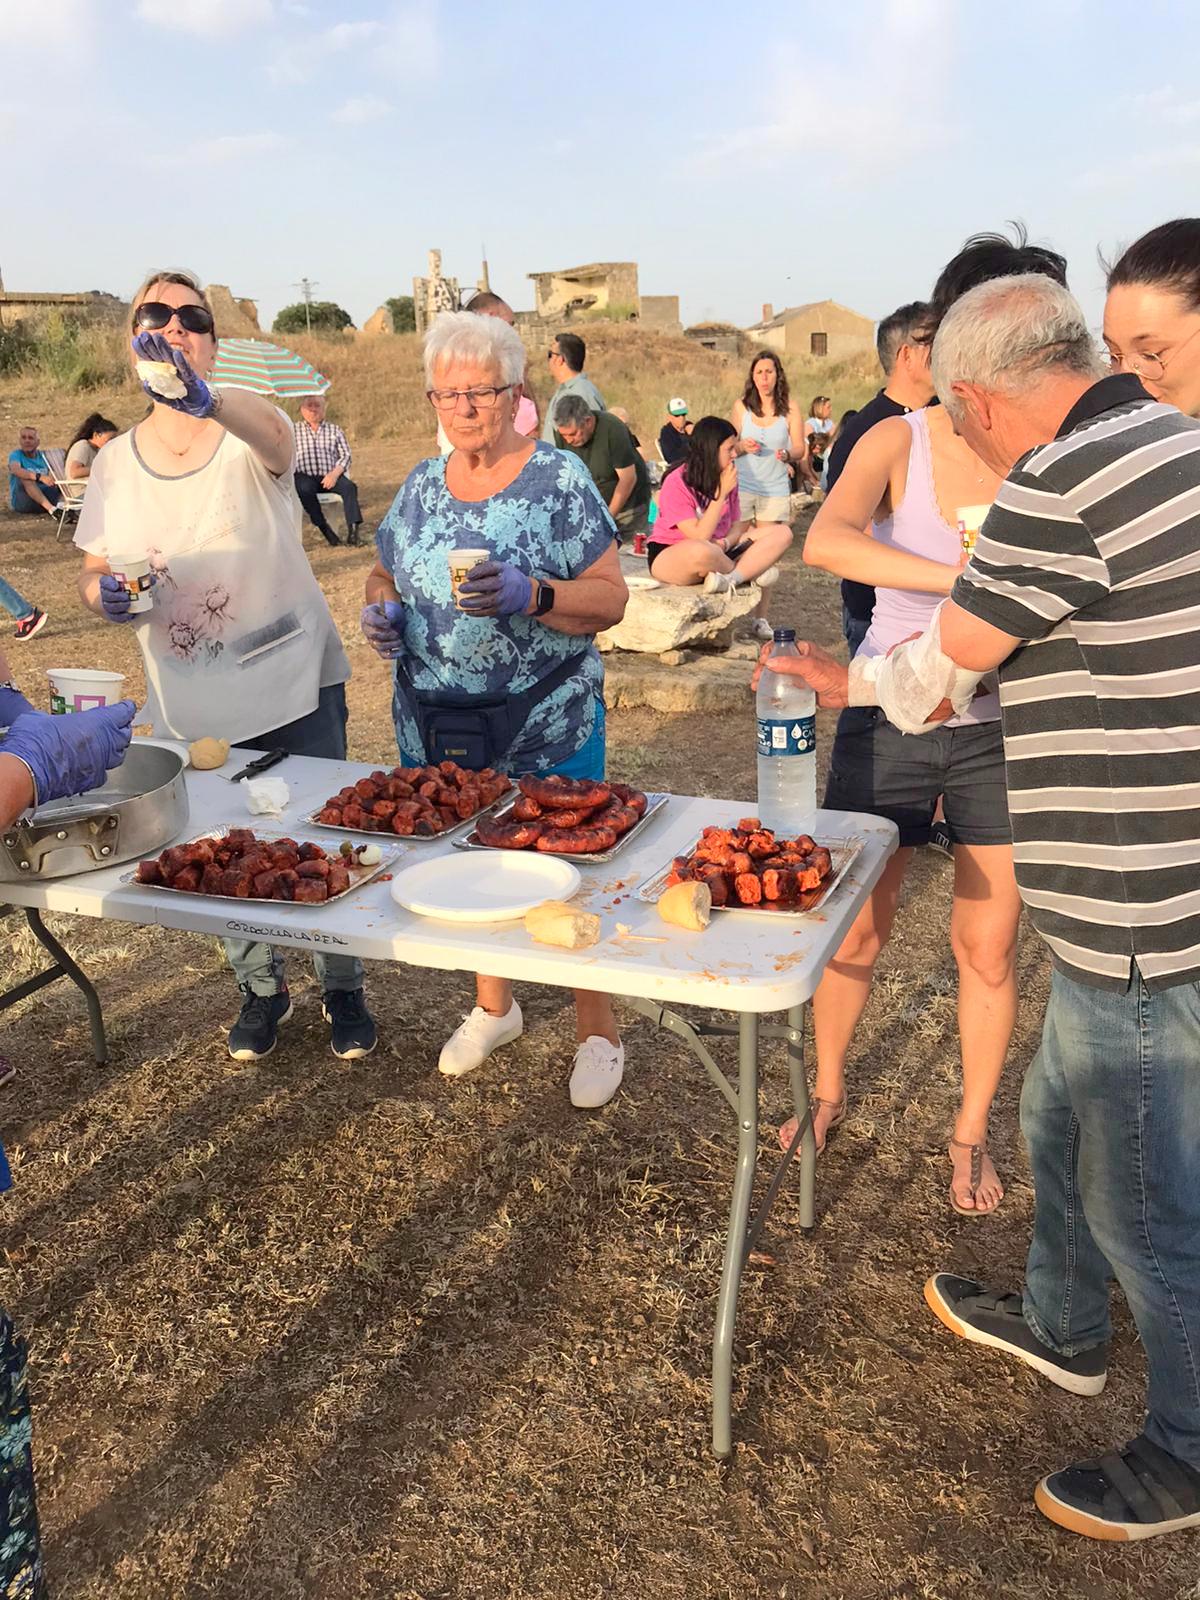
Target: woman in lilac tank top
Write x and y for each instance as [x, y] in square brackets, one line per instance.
[904, 481]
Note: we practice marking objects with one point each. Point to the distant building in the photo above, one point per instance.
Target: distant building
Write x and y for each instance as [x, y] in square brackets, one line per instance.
[18, 306]
[822, 330]
[599, 288]
[722, 337]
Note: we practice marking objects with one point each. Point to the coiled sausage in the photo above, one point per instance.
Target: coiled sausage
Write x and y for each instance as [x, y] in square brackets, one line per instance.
[566, 794]
[507, 835]
[576, 841]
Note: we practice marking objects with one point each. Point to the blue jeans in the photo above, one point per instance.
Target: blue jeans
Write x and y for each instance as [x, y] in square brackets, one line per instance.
[20, 500]
[1111, 1114]
[854, 629]
[14, 602]
[259, 966]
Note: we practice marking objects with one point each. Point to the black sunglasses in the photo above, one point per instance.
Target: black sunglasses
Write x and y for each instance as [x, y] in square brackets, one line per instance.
[153, 314]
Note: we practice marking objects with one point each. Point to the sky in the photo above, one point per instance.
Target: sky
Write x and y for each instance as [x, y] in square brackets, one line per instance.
[774, 154]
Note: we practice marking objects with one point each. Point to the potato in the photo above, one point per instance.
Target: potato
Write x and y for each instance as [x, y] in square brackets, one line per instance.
[208, 753]
[555, 922]
[687, 905]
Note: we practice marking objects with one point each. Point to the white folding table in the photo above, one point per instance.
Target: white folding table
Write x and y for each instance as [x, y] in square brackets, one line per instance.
[744, 963]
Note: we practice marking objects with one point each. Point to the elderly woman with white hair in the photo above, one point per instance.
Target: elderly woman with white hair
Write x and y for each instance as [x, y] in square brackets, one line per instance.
[514, 666]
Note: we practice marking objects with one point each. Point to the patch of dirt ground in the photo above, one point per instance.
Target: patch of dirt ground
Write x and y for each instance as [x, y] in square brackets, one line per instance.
[312, 1329]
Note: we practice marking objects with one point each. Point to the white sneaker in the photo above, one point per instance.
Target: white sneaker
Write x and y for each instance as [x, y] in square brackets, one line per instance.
[719, 583]
[767, 578]
[761, 629]
[597, 1073]
[472, 1043]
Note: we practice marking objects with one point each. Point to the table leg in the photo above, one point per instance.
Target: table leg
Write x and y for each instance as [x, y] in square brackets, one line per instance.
[735, 1243]
[808, 1139]
[64, 967]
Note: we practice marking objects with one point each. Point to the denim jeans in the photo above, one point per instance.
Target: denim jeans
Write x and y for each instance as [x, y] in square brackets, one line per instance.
[14, 602]
[1111, 1114]
[321, 733]
[854, 629]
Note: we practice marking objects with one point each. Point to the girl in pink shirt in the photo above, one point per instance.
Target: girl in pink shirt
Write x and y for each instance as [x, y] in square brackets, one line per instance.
[700, 536]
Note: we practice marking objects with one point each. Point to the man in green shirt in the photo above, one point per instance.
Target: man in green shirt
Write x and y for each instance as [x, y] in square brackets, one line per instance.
[605, 446]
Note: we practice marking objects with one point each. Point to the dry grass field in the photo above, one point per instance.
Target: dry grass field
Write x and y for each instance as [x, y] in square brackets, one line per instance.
[308, 1329]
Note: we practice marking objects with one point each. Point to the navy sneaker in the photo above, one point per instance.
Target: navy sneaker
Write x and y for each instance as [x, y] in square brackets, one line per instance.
[254, 1033]
[1136, 1492]
[997, 1320]
[352, 1026]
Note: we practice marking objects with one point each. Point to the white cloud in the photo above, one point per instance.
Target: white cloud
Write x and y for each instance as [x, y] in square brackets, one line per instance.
[211, 19]
[362, 108]
[220, 151]
[50, 22]
[397, 47]
[1165, 104]
[857, 115]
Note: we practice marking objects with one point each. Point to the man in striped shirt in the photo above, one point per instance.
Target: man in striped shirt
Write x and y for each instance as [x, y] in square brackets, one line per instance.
[1084, 590]
[322, 456]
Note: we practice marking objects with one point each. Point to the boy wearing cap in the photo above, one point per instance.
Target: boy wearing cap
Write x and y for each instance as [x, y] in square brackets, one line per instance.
[675, 432]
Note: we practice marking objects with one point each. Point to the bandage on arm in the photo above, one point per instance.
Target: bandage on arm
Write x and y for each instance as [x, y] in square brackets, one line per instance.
[911, 682]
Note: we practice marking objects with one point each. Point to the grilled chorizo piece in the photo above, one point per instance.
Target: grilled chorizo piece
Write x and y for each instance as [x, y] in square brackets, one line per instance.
[403, 823]
[630, 796]
[338, 880]
[148, 872]
[331, 816]
[527, 810]
[747, 886]
[427, 825]
[566, 794]
[313, 869]
[507, 835]
[310, 891]
[583, 841]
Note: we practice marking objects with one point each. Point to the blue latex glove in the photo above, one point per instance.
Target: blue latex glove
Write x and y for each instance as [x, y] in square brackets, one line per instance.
[13, 704]
[383, 626]
[198, 400]
[494, 589]
[71, 754]
[115, 600]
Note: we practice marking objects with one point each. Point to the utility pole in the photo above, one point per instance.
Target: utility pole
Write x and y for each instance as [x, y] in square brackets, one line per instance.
[306, 287]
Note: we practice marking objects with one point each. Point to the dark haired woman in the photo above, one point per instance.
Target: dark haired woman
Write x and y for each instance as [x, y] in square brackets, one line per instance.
[93, 434]
[1152, 314]
[770, 440]
[700, 533]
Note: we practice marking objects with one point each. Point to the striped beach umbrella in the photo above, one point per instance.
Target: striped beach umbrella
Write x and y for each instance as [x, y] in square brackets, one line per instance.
[266, 368]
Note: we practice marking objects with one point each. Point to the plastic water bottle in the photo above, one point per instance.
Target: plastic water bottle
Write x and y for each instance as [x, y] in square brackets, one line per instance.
[787, 746]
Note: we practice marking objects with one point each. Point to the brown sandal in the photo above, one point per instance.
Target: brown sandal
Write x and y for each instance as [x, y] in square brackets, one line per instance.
[977, 1151]
[787, 1131]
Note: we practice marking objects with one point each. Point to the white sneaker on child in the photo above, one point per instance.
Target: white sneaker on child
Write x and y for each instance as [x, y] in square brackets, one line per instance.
[719, 583]
[762, 630]
[767, 578]
[597, 1073]
[473, 1041]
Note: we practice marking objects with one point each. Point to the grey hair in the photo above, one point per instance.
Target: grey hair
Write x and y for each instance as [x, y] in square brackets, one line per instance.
[573, 410]
[479, 341]
[1006, 333]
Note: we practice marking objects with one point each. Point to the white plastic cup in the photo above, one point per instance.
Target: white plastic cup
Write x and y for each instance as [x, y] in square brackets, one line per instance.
[136, 573]
[461, 562]
[970, 520]
[83, 688]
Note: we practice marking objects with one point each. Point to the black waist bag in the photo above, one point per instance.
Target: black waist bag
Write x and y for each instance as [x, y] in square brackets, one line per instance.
[472, 730]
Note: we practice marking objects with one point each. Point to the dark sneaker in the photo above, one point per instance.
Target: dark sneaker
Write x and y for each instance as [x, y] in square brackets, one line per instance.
[996, 1320]
[254, 1033]
[33, 623]
[939, 838]
[353, 1027]
[1134, 1493]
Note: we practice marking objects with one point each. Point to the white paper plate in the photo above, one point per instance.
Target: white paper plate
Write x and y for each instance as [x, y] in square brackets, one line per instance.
[469, 888]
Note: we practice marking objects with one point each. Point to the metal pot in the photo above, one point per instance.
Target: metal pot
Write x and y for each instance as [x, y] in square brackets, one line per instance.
[142, 807]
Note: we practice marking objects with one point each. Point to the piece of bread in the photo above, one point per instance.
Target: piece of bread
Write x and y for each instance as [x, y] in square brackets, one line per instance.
[686, 905]
[163, 378]
[556, 922]
[207, 753]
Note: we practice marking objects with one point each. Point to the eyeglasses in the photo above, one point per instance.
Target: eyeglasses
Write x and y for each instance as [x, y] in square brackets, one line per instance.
[552, 352]
[477, 399]
[1149, 366]
[154, 314]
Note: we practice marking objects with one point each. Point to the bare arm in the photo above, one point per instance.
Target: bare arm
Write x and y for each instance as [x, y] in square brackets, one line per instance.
[593, 601]
[836, 541]
[16, 788]
[76, 469]
[25, 474]
[972, 643]
[380, 585]
[255, 421]
[94, 568]
[796, 440]
[626, 478]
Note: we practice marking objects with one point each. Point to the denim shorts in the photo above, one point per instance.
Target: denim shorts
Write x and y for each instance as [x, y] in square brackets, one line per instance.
[876, 768]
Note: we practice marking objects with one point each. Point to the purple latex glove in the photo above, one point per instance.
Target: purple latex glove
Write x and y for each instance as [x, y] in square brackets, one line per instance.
[197, 400]
[494, 589]
[71, 754]
[13, 704]
[115, 600]
[383, 627]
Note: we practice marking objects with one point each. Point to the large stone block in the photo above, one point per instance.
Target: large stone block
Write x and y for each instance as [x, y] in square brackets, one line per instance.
[710, 683]
[661, 617]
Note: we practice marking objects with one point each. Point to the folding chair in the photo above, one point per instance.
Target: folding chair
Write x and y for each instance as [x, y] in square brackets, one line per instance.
[71, 490]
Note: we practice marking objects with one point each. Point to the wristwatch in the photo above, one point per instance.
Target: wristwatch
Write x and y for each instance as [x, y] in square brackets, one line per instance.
[545, 598]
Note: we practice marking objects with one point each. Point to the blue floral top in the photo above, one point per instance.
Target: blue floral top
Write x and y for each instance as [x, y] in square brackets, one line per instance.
[551, 523]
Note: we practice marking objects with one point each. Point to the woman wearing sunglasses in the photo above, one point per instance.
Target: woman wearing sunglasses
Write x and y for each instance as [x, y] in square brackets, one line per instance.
[239, 643]
[1152, 314]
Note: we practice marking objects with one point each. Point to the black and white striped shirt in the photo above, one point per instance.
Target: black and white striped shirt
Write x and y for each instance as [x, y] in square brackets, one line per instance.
[1092, 554]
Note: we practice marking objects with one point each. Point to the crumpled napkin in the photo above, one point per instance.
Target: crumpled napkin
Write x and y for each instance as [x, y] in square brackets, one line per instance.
[265, 796]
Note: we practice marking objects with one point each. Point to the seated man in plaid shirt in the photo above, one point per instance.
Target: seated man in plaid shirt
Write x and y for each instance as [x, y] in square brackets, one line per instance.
[322, 456]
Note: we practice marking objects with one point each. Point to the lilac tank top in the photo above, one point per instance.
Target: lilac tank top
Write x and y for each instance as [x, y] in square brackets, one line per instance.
[918, 526]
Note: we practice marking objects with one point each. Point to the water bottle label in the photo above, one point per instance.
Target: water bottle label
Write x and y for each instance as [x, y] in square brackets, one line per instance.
[795, 736]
